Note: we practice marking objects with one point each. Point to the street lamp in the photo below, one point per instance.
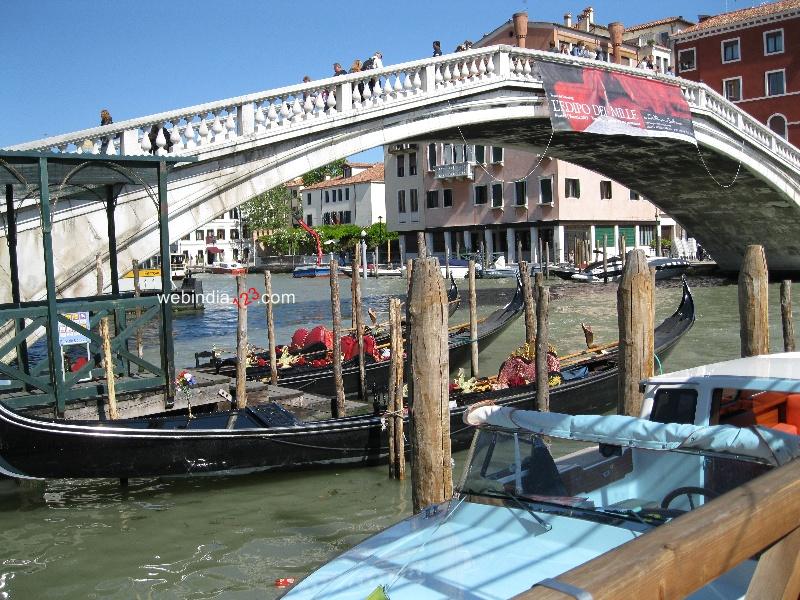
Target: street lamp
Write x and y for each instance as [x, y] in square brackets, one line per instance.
[364, 254]
[380, 237]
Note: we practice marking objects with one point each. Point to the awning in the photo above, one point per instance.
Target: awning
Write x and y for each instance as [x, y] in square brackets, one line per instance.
[214, 250]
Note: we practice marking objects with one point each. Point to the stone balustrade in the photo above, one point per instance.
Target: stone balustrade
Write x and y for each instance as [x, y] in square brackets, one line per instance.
[193, 130]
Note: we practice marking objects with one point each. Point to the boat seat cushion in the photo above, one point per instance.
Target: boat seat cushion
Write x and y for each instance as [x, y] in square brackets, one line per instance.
[793, 410]
[786, 428]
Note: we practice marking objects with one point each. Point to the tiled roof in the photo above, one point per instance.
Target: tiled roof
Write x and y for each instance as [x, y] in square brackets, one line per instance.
[655, 23]
[743, 15]
[373, 174]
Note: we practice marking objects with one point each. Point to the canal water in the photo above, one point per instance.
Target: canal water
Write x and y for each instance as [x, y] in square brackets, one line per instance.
[231, 538]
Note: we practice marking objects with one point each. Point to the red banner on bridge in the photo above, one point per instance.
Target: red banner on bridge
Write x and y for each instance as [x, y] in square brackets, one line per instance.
[612, 103]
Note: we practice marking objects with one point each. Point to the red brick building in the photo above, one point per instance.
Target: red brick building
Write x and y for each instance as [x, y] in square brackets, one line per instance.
[752, 57]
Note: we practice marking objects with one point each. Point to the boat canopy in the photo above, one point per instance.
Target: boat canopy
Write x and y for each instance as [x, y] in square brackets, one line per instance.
[762, 443]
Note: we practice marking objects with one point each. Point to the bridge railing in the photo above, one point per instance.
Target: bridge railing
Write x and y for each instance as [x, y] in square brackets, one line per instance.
[192, 130]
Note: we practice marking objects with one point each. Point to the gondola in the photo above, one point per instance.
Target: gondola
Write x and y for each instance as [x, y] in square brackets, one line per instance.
[260, 438]
[319, 380]
[665, 267]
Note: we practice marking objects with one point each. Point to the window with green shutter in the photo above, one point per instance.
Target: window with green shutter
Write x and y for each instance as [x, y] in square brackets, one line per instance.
[599, 232]
[629, 234]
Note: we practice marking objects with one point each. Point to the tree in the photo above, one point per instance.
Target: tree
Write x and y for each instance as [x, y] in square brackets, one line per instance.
[334, 169]
[270, 210]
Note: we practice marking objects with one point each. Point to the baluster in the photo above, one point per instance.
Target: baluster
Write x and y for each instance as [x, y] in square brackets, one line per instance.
[217, 128]
[111, 147]
[204, 132]
[356, 97]
[161, 141]
[297, 109]
[448, 75]
[481, 67]
[439, 78]
[473, 70]
[416, 82]
[272, 114]
[230, 124]
[145, 144]
[308, 105]
[368, 95]
[331, 100]
[464, 70]
[319, 103]
[518, 68]
[175, 136]
[261, 119]
[387, 90]
[526, 70]
[63, 149]
[490, 66]
[408, 87]
[188, 133]
[285, 111]
[398, 85]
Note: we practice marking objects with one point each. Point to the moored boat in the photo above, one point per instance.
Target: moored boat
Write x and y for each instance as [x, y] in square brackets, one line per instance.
[228, 268]
[498, 270]
[665, 267]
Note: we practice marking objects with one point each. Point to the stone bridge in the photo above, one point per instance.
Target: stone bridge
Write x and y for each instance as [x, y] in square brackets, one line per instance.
[739, 186]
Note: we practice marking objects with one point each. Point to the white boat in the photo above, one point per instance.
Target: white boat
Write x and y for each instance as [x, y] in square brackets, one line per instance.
[459, 268]
[498, 270]
[519, 518]
[382, 270]
[666, 268]
[229, 268]
[177, 266]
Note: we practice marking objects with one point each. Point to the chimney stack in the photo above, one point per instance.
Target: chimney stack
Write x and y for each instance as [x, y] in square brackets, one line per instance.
[582, 26]
[521, 28]
[590, 15]
[701, 18]
[567, 19]
[615, 31]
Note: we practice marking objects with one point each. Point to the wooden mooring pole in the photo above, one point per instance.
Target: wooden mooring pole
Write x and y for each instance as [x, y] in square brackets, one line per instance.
[397, 456]
[432, 478]
[273, 358]
[137, 291]
[241, 342]
[547, 260]
[473, 320]
[635, 303]
[358, 323]
[530, 309]
[422, 250]
[337, 403]
[754, 302]
[108, 357]
[786, 315]
[447, 263]
[542, 338]
[605, 259]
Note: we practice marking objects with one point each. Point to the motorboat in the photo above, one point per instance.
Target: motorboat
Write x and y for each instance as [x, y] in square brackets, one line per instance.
[498, 270]
[177, 266]
[228, 268]
[520, 517]
[312, 270]
[459, 268]
[379, 270]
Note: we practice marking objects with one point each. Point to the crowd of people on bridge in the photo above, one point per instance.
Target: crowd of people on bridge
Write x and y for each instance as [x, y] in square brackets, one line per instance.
[582, 50]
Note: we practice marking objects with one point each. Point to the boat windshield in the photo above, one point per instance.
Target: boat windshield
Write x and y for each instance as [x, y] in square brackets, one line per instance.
[643, 485]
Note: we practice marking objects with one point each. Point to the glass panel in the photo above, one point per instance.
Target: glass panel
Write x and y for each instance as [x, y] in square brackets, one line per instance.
[775, 83]
[546, 191]
[448, 198]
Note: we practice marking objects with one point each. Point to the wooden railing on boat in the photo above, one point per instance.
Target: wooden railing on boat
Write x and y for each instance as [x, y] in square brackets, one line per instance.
[759, 517]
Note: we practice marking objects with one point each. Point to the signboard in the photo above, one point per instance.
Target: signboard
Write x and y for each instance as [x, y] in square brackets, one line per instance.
[67, 336]
[611, 103]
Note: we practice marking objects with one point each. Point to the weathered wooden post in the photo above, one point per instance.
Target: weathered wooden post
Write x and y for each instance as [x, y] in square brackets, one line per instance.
[547, 260]
[358, 323]
[397, 457]
[447, 263]
[754, 302]
[375, 261]
[241, 342]
[98, 263]
[337, 404]
[635, 301]
[530, 309]
[432, 478]
[519, 251]
[473, 320]
[409, 269]
[542, 338]
[605, 259]
[623, 251]
[108, 357]
[273, 358]
[786, 315]
[137, 292]
[422, 250]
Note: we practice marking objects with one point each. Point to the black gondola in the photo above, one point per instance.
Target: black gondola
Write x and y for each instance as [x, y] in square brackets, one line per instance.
[264, 437]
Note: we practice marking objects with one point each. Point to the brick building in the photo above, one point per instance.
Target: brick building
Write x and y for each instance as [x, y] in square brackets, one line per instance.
[751, 57]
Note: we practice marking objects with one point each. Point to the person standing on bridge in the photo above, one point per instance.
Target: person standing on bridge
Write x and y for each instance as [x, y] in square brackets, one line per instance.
[338, 70]
[105, 119]
[437, 48]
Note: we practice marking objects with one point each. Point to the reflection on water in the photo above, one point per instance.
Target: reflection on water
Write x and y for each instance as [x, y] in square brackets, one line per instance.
[231, 538]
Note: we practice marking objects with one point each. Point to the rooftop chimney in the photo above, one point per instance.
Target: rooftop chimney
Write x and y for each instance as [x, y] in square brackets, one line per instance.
[521, 28]
[567, 19]
[701, 18]
[590, 15]
[615, 31]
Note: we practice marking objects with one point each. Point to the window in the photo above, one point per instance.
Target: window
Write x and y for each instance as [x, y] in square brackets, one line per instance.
[647, 233]
[220, 234]
[730, 51]
[480, 154]
[233, 214]
[210, 239]
[346, 217]
[347, 193]
[327, 197]
[603, 235]
[326, 218]
[572, 188]
[675, 405]
[339, 194]
[447, 198]
[412, 163]
[773, 41]
[686, 60]
[497, 195]
[629, 234]
[634, 195]
[413, 200]
[235, 254]
[521, 192]
[431, 156]
[776, 82]
[187, 237]
[234, 234]
[401, 201]
[546, 190]
[309, 220]
[432, 198]
[200, 257]
[497, 154]
[401, 165]
[308, 199]
[732, 89]
[198, 235]
[480, 194]
[777, 123]
[605, 190]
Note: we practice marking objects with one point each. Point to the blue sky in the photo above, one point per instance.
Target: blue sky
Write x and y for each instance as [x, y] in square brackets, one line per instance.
[64, 60]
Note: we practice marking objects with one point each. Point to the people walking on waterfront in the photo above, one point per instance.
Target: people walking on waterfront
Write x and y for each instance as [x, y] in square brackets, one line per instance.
[437, 48]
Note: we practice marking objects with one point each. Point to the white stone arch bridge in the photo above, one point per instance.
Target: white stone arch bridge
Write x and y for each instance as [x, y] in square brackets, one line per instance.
[249, 144]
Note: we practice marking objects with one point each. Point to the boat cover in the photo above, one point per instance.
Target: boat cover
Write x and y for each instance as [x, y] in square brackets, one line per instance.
[763, 443]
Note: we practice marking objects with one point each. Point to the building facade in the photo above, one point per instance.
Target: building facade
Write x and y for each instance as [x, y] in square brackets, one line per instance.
[357, 197]
[225, 239]
[750, 56]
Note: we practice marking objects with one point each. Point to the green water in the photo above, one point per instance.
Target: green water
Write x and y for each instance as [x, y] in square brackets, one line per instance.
[231, 538]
